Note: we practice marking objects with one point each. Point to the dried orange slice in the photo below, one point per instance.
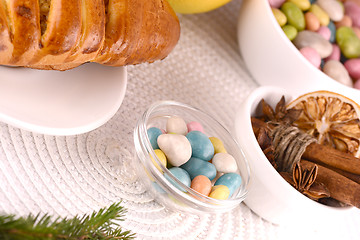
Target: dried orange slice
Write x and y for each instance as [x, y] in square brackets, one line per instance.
[331, 118]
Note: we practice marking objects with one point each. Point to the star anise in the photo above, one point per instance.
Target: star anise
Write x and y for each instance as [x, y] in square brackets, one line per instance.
[304, 180]
[280, 115]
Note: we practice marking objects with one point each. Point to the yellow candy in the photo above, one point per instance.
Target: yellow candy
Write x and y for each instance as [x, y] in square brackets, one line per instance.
[279, 16]
[302, 4]
[220, 192]
[320, 14]
[218, 145]
[161, 156]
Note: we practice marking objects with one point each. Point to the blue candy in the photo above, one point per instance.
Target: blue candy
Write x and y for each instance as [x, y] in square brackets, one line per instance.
[231, 180]
[181, 175]
[332, 28]
[153, 134]
[201, 145]
[196, 166]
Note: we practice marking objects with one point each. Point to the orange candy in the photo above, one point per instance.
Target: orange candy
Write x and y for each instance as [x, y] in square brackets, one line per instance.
[312, 22]
[201, 184]
[344, 22]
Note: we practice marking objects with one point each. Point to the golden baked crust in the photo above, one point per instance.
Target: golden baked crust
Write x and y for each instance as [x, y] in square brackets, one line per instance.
[62, 34]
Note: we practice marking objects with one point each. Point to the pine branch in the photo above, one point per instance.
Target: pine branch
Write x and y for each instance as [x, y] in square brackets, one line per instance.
[101, 225]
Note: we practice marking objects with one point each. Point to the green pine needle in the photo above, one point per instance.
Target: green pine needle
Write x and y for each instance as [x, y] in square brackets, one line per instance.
[98, 225]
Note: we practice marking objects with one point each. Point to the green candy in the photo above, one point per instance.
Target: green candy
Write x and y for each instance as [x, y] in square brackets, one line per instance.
[290, 31]
[348, 42]
[294, 15]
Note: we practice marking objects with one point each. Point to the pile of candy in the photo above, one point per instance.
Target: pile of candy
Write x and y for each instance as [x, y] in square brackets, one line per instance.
[326, 32]
[198, 161]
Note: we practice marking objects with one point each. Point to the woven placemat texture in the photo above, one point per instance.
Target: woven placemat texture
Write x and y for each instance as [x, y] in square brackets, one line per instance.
[78, 174]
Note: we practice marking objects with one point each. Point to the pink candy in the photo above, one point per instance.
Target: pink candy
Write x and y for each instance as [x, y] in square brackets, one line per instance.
[311, 55]
[353, 67]
[276, 3]
[335, 55]
[325, 32]
[353, 11]
[195, 126]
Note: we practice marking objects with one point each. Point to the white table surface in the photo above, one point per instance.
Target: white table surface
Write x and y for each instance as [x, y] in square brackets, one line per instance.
[78, 174]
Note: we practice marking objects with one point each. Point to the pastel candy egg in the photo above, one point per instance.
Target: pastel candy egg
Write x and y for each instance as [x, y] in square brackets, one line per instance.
[176, 147]
[201, 184]
[348, 42]
[176, 125]
[195, 126]
[332, 28]
[276, 3]
[162, 158]
[335, 55]
[333, 8]
[302, 4]
[220, 192]
[353, 67]
[290, 32]
[224, 162]
[344, 22]
[314, 40]
[231, 180]
[218, 145]
[325, 32]
[196, 166]
[153, 134]
[353, 11]
[181, 175]
[294, 15]
[279, 16]
[312, 23]
[320, 14]
[201, 145]
[338, 72]
[311, 55]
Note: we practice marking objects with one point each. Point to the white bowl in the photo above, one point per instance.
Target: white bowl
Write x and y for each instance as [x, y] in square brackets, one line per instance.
[270, 196]
[273, 60]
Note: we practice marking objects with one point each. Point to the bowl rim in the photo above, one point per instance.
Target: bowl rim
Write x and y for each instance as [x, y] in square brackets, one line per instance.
[190, 196]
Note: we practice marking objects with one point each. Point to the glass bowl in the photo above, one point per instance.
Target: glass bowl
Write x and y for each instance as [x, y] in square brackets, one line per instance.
[162, 190]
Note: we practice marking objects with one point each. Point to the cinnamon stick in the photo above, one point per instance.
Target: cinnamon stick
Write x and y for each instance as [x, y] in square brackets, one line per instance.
[334, 158]
[351, 176]
[324, 155]
[340, 187]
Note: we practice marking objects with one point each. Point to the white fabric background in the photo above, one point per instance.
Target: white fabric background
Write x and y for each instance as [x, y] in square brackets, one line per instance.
[78, 174]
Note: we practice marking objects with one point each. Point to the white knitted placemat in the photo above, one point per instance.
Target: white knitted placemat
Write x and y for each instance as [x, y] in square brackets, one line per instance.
[78, 174]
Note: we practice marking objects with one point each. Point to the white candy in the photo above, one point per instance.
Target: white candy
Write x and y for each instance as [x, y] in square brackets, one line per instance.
[176, 147]
[338, 72]
[312, 39]
[176, 125]
[333, 8]
[224, 163]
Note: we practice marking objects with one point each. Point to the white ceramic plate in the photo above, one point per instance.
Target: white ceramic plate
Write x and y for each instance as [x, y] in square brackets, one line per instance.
[61, 103]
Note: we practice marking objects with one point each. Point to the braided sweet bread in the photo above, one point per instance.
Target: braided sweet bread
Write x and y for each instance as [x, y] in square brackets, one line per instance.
[63, 34]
